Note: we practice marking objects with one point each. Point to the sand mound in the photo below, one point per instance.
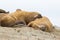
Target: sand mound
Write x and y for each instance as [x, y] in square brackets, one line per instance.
[27, 33]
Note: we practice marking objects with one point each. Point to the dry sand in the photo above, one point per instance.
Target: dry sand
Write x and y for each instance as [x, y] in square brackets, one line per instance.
[27, 33]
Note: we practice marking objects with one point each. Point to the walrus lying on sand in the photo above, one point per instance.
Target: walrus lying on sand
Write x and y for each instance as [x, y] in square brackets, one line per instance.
[43, 24]
[19, 17]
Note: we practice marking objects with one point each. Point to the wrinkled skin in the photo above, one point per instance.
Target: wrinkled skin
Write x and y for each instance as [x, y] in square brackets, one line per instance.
[19, 17]
[43, 24]
[1, 16]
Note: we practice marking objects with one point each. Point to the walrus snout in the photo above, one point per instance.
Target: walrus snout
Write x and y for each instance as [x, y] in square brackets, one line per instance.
[42, 27]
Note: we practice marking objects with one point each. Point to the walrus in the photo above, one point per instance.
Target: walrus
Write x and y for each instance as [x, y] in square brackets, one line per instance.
[1, 16]
[19, 17]
[43, 24]
[3, 11]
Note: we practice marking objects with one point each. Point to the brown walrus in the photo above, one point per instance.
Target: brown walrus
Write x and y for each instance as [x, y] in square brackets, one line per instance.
[19, 17]
[43, 24]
